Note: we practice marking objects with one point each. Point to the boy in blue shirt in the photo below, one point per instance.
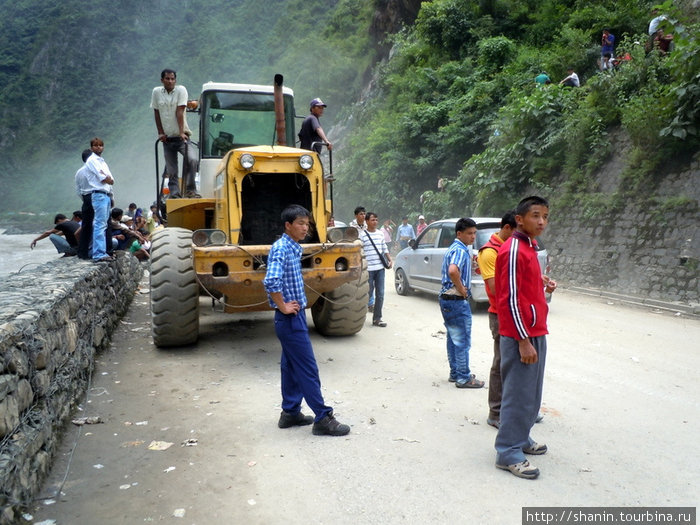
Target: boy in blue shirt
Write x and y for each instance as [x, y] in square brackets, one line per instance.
[285, 288]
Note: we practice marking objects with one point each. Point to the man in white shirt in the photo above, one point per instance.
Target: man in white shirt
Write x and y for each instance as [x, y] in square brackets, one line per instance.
[84, 191]
[169, 103]
[374, 245]
[100, 180]
[571, 79]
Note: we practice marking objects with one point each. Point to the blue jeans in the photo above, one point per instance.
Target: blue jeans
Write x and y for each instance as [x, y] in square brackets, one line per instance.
[458, 322]
[300, 378]
[61, 244]
[376, 292]
[522, 396]
[101, 205]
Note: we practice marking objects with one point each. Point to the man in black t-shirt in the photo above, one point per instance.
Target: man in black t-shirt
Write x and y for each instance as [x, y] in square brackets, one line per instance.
[311, 131]
[64, 235]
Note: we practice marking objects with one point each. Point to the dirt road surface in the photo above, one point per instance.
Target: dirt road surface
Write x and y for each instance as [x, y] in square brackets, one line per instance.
[621, 422]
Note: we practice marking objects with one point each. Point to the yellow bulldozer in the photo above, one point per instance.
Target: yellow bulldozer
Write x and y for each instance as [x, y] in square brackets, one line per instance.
[217, 245]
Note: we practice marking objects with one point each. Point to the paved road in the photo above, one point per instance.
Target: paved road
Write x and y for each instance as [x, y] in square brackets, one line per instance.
[621, 402]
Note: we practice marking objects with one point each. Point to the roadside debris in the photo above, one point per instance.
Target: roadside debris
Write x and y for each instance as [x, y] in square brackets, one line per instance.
[90, 420]
[159, 445]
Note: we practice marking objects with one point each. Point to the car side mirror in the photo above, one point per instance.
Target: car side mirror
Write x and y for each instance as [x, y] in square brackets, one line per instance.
[412, 243]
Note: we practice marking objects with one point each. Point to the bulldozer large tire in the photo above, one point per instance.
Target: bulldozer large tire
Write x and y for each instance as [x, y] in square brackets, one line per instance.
[343, 310]
[174, 289]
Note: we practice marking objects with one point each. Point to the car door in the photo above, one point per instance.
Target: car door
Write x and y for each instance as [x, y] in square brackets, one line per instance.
[421, 260]
[445, 240]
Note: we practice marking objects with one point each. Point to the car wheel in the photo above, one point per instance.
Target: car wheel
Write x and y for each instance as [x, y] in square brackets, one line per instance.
[401, 282]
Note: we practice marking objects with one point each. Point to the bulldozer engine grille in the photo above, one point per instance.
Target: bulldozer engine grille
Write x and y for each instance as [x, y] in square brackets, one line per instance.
[264, 196]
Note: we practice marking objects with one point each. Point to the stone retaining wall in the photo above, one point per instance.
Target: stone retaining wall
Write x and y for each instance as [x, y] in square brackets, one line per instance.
[651, 251]
[53, 319]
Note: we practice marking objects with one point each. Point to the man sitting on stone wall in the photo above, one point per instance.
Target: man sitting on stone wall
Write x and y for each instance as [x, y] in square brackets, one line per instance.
[64, 235]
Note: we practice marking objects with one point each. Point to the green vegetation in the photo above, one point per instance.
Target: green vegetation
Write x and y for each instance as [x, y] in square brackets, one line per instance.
[458, 102]
[455, 101]
[69, 72]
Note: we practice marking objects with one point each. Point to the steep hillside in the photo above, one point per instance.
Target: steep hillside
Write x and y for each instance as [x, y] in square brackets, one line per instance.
[68, 73]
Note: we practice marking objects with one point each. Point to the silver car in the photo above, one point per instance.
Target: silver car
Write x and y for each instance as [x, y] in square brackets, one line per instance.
[419, 267]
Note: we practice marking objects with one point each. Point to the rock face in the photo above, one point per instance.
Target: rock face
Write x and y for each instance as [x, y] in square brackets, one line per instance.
[390, 16]
[53, 319]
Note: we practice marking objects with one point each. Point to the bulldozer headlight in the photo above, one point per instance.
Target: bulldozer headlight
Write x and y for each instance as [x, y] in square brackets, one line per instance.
[335, 235]
[247, 161]
[306, 162]
[208, 238]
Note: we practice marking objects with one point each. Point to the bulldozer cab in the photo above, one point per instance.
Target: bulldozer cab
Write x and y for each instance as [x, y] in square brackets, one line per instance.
[236, 116]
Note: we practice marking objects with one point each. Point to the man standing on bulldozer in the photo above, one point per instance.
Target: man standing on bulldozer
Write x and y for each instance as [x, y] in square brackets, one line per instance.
[169, 103]
[311, 134]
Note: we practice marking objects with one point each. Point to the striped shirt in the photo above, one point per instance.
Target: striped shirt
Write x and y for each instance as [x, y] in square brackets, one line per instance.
[284, 272]
[459, 255]
[373, 261]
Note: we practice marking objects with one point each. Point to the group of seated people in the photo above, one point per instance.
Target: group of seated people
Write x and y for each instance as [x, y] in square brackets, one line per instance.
[133, 234]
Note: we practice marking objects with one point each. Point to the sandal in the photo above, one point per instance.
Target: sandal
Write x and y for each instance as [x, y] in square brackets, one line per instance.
[472, 383]
[536, 449]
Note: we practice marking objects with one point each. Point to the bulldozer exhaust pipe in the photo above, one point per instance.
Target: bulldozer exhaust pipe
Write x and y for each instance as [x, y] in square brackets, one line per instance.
[279, 111]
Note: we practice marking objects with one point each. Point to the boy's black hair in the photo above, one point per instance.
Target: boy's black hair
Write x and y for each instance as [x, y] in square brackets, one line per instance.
[528, 202]
[78, 213]
[59, 217]
[86, 154]
[96, 140]
[463, 224]
[370, 214]
[359, 209]
[508, 219]
[116, 213]
[292, 212]
[166, 71]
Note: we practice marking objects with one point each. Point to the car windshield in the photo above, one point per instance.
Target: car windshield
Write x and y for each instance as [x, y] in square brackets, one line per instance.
[482, 236]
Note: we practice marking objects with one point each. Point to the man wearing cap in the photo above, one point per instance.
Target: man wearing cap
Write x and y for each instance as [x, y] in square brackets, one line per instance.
[311, 131]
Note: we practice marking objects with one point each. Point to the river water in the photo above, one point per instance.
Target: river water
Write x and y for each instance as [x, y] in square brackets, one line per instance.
[16, 256]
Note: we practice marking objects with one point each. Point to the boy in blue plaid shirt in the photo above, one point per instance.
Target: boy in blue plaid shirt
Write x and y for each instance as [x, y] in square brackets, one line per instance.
[285, 289]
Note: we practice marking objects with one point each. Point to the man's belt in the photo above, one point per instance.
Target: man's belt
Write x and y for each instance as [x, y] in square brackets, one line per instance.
[451, 297]
[101, 191]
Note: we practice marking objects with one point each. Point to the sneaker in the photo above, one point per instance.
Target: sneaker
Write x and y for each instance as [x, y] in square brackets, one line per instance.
[370, 308]
[192, 195]
[536, 449]
[378, 322]
[329, 426]
[294, 420]
[495, 423]
[452, 379]
[524, 469]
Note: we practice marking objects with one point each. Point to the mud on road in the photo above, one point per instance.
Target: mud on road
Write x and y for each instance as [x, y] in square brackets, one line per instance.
[621, 421]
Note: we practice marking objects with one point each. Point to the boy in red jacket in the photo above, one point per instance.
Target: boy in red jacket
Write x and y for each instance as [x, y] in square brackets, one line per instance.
[522, 317]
